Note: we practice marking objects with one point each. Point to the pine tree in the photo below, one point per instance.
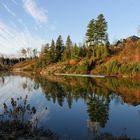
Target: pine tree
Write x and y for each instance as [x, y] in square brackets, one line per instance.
[106, 51]
[101, 30]
[47, 54]
[68, 49]
[83, 51]
[75, 52]
[90, 34]
[52, 51]
[59, 48]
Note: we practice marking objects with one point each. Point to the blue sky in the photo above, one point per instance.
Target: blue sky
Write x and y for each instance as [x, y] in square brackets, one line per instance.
[31, 23]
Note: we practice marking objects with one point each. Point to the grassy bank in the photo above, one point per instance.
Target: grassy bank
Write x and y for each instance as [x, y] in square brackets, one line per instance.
[110, 68]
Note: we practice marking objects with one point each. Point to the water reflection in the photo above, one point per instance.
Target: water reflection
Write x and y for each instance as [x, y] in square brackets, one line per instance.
[97, 111]
[19, 121]
[86, 88]
[97, 93]
[93, 103]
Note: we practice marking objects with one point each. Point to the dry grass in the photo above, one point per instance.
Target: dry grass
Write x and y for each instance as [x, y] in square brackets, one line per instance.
[26, 65]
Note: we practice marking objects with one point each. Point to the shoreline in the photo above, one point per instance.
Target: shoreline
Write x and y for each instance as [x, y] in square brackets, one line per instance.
[45, 73]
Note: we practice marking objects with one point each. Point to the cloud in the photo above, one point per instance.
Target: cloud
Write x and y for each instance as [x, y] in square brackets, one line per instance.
[8, 10]
[35, 11]
[12, 40]
[21, 22]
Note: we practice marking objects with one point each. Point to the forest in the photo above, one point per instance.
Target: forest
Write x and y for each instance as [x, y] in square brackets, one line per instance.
[96, 55]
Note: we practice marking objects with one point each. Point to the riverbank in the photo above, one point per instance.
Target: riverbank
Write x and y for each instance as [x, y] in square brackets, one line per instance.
[3, 68]
[119, 63]
[66, 69]
[84, 67]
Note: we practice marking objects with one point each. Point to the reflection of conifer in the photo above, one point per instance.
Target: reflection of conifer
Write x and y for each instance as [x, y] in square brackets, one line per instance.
[98, 109]
[69, 99]
[36, 86]
[60, 94]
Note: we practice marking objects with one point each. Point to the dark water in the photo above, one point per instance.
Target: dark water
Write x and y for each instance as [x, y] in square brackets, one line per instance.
[78, 108]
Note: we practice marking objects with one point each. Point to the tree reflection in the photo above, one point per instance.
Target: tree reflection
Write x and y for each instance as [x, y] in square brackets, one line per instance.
[97, 93]
[98, 108]
[97, 104]
[2, 80]
[30, 85]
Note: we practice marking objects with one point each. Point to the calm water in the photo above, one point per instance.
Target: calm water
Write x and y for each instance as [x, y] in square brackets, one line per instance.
[78, 108]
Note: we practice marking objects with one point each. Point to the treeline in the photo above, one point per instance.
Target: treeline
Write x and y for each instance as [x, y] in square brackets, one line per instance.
[28, 52]
[10, 61]
[25, 54]
[96, 46]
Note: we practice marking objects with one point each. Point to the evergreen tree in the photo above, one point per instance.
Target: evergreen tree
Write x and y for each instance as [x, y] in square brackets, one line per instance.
[90, 34]
[101, 30]
[59, 48]
[68, 49]
[106, 51]
[83, 51]
[98, 109]
[52, 51]
[75, 52]
[89, 51]
[107, 43]
[47, 54]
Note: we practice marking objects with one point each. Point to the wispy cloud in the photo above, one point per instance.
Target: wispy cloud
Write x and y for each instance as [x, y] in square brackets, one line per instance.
[21, 22]
[35, 11]
[12, 40]
[8, 10]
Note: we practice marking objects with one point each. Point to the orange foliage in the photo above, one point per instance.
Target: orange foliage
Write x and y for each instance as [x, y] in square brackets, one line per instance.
[72, 62]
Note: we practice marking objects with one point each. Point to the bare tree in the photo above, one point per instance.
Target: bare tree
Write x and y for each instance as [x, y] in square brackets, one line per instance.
[34, 53]
[29, 52]
[24, 52]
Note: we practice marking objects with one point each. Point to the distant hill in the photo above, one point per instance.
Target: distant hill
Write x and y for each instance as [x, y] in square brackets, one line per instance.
[125, 59]
[120, 42]
[129, 50]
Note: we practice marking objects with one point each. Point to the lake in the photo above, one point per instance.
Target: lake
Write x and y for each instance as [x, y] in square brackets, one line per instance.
[78, 108]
